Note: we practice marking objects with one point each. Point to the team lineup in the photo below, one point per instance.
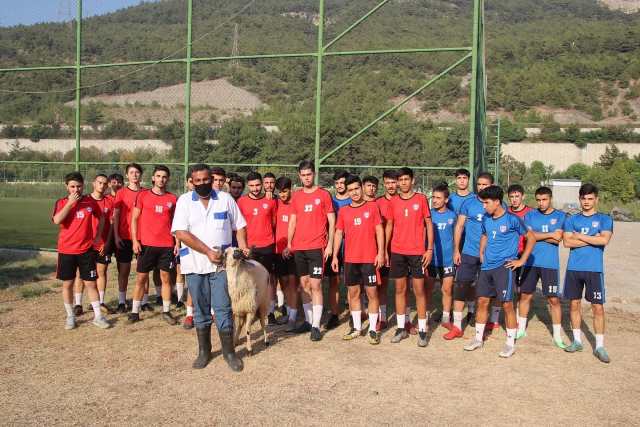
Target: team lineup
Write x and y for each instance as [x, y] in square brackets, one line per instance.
[487, 255]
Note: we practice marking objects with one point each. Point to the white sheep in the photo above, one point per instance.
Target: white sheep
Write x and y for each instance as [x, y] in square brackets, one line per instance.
[248, 284]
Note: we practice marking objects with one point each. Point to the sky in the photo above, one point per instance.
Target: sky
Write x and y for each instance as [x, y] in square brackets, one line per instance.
[15, 12]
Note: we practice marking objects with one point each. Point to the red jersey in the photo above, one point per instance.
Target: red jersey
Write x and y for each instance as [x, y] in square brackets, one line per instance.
[260, 215]
[408, 217]
[282, 225]
[311, 211]
[520, 214]
[384, 204]
[156, 216]
[359, 227]
[125, 200]
[106, 207]
[78, 230]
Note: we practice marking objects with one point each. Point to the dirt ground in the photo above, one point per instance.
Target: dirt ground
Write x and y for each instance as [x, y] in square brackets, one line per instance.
[141, 374]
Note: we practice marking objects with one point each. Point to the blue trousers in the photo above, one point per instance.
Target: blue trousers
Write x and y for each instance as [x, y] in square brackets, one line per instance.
[210, 291]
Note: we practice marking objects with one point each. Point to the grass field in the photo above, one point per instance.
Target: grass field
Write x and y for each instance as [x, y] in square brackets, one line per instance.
[27, 223]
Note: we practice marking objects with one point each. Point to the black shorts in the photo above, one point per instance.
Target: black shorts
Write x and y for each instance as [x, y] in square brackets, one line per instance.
[468, 269]
[356, 274]
[153, 257]
[178, 260]
[405, 265]
[309, 263]
[125, 254]
[285, 266]
[69, 265]
[102, 259]
[441, 272]
[327, 266]
[591, 282]
[384, 272]
[497, 283]
[265, 256]
[550, 278]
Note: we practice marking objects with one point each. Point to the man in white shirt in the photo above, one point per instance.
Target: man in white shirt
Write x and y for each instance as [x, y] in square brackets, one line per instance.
[203, 222]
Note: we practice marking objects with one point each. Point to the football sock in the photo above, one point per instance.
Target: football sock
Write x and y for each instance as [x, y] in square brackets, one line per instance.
[577, 336]
[122, 297]
[78, 298]
[101, 295]
[280, 297]
[145, 299]
[471, 306]
[522, 324]
[356, 316]
[373, 321]
[457, 319]
[383, 312]
[158, 291]
[166, 305]
[293, 314]
[446, 317]
[69, 309]
[408, 313]
[400, 320]
[422, 325]
[557, 332]
[308, 312]
[511, 337]
[479, 331]
[180, 290]
[135, 306]
[599, 340]
[495, 314]
[96, 309]
[190, 310]
[317, 315]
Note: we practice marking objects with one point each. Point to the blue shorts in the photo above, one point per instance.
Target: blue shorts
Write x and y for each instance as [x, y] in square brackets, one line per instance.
[496, 283]
[468, 269]
[592, 282]
[549, 277]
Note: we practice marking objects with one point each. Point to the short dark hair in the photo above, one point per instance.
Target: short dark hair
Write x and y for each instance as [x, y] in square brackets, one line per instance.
[135, 166]
[544, 190]
[118, 177]
[199, 167]
[269, 175]
[390, 174]
[101, 175]
[515, 188]
[217, 170]
[486, 175]
[340, 174]
[306, 164]
[252, 176]
[405, 171]
[588, 188]
[372, 179]
[161, 168]
[443, 188]
[492, 192]
[73, 176]
[352, 179]
[283, 183]
[234, 177]
[462, 171]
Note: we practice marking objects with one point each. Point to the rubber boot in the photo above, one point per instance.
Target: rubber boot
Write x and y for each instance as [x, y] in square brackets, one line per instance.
[229, 351]
[204, 347]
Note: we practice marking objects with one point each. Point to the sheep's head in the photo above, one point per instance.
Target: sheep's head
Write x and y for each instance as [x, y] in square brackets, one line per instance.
[232, 257]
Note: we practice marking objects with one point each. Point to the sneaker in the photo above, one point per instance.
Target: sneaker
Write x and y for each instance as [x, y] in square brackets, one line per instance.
[400, 334]
[271, 319]
[122, 308]
[560, 344]
[146, 307]
[179, 305]
[601, 354]
[408, 326]
[101, 323]
[447, 325]
[187, 323]
[374, 338]
[291, 327]
[471, 319]
[303, 328]
[167, 317]
[422, 339]
[70, 323]
[453, 333]
[332, 323]
[78, 311]
[158, 299]
[315, 334]
[381, 326]
[105, 309]
[575, 346]
[133, 317]
[492, 326]
[507, 351]
[520, 335]
[473, 344]
[352, 334]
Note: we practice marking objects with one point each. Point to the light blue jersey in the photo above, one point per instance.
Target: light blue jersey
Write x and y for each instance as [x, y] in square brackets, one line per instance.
[503, 234]
[473, 209]
[544, 254]
[455, 201]
[443, 226]
[587, 258]
[339, 203]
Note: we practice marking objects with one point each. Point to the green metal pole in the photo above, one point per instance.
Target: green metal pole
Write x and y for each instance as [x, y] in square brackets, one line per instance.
[319, 57]
[187, 91]
[355, 24]
[474, 89]
[78, 79]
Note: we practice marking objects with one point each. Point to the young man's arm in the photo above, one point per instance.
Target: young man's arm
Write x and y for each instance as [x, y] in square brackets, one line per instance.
[116, 228]
[137, 247]
[291, 231]
[483, 245]
[98, 237]
[331, 218]
[381, 258]
[428, 255]
[337, 241]
[531, 242]
[457, 238]
[601, 239]
[554, 237]
[569, 240]
[388, 232]
[61, 215]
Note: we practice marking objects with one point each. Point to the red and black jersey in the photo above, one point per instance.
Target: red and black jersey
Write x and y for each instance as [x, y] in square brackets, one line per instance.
[283, 214]
[124, 201]
[408, 217]
[260, 215]
[384, 205]
[156, 216]
[311, 211]
[520, 214]
[359, 227]
[106, 207]
[79, 228]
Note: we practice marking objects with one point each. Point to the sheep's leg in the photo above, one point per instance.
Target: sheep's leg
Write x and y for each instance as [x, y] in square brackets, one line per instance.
[248, 322]
[237, 321]
[263, 323]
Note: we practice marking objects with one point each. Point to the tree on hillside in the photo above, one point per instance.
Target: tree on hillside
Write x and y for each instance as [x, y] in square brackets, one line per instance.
[611, 154]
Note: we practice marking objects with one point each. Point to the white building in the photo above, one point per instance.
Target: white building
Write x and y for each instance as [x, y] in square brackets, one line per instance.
[565, 192]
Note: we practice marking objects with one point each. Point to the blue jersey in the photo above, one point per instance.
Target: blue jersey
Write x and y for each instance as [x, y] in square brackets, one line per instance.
[456, 201]
[443, 226]
[587, 258]
[474, 211]
[544, 254]
[503, 234]
[338, 203]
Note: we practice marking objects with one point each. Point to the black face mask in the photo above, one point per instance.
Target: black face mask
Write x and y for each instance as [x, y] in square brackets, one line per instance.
[203, 190]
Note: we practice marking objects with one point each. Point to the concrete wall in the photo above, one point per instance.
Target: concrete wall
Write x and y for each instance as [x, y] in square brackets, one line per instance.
[560, 154]
[64, 145]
